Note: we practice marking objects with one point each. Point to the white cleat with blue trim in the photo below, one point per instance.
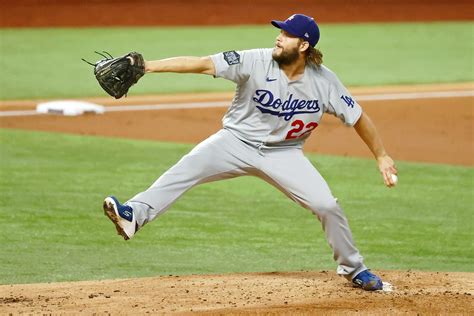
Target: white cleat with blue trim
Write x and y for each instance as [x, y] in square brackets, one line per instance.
[122, 216]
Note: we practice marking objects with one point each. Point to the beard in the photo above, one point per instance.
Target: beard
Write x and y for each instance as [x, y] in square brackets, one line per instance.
[286, 57]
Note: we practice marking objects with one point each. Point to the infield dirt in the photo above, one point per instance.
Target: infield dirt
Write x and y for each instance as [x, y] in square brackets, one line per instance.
[427, 130]
[290, 293]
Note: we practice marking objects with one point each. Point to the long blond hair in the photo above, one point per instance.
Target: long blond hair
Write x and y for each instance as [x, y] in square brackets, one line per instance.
[314, 57]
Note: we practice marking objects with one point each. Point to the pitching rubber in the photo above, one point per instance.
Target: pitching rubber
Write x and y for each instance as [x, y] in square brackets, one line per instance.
[109, 211]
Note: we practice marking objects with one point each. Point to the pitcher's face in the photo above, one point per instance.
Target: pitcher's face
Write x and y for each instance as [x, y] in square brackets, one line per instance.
[287, 48]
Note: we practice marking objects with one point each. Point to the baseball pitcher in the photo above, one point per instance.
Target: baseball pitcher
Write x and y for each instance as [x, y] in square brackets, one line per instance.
[281, 94]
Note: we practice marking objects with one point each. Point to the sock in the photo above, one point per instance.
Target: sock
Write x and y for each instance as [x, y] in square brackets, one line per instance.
[140, 210]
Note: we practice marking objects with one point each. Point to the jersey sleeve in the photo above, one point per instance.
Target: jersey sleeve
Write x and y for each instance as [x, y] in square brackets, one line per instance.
[234, 65]
[342, 104]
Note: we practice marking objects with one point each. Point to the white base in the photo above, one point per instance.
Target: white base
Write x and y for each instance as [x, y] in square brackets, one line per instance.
[387, 287]
[69, 107]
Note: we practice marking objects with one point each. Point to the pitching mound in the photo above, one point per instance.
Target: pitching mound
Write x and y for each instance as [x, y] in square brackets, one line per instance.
[256, 293]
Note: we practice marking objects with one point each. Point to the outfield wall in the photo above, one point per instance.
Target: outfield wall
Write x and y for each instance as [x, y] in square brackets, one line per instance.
[77, 13]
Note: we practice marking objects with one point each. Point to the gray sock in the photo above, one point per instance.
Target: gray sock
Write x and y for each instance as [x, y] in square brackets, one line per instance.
[140, 210]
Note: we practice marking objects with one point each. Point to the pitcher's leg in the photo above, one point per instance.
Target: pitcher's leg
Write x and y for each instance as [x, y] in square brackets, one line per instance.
[221, 156]
[291, 172]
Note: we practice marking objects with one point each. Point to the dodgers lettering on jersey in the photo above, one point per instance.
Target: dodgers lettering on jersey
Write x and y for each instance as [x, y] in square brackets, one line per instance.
[269, 109]
[287, 109]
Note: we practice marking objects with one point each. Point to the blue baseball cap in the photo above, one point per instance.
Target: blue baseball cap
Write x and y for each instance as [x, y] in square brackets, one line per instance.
[301, 26]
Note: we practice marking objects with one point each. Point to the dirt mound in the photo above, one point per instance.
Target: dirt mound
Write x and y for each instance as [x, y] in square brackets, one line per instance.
[274, 292]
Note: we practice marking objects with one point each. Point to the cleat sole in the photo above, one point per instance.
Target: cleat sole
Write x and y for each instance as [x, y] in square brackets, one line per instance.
[109, 211]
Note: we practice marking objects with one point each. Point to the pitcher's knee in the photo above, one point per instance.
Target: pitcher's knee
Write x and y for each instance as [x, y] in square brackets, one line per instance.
[325, 208]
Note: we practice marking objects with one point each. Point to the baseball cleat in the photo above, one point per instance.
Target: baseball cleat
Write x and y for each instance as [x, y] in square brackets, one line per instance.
[368, 281]
[122, 216]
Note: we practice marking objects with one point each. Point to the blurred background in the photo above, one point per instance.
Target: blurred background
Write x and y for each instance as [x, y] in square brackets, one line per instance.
[366, 42]
[46, 13]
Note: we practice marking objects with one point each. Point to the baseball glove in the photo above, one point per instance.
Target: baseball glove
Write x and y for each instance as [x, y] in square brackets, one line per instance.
[117, 75]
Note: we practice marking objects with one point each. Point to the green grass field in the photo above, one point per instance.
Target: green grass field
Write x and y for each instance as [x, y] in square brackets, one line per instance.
[53, 228]
[52, 185]
[46, 63]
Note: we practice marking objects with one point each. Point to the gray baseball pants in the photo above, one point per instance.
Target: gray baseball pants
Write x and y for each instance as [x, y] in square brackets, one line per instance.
[224, 156]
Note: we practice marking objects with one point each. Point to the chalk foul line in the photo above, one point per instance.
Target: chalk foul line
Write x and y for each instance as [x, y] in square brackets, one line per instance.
[216, 104]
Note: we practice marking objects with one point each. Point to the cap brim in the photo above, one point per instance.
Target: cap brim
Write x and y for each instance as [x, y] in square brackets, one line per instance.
[282, 25]
[277, 24]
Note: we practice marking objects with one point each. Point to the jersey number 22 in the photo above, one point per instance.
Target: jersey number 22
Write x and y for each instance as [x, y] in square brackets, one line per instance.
[299, 125]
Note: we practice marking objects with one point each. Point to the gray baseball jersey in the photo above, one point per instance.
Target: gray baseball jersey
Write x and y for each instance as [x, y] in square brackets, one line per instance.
[269, 109]
[264, 129]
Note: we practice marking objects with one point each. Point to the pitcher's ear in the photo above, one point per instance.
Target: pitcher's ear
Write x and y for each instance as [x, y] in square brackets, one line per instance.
[304, 46]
